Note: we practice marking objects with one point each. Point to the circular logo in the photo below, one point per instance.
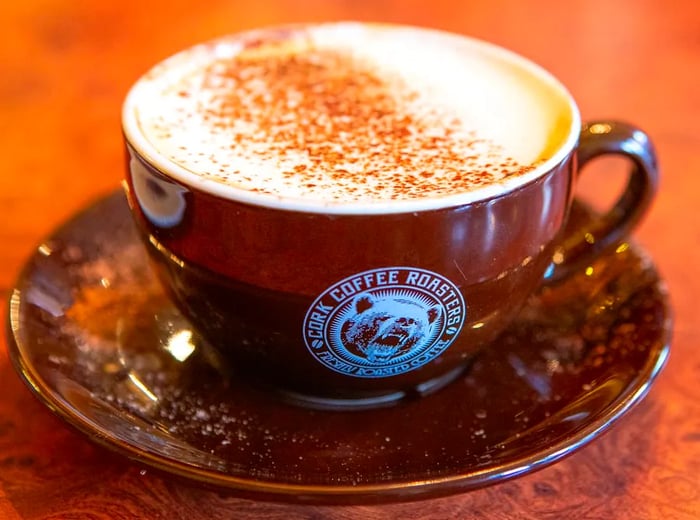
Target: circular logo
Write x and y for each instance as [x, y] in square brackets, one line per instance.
[384, 322]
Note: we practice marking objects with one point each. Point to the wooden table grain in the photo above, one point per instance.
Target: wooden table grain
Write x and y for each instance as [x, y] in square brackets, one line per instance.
[64, 69]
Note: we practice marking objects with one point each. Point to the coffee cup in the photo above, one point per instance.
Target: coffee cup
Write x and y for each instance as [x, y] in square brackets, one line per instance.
[349, 212]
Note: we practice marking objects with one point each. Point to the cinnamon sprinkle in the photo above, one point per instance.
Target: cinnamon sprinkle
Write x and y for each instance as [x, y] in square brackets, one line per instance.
[324, 123]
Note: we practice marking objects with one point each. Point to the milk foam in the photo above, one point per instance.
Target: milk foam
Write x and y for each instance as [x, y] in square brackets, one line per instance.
[350, 115]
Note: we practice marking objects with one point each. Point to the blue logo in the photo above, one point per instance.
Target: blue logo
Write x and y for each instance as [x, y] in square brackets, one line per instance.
[384, 322]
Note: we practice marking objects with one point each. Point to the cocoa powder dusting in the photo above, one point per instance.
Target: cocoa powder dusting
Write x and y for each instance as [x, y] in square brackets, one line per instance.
[333, 126]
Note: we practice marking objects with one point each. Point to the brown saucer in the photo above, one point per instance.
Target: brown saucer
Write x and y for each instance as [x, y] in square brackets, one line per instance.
[93, 336]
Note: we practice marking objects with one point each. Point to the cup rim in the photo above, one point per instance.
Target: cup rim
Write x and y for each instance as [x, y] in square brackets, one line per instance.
[136, 140]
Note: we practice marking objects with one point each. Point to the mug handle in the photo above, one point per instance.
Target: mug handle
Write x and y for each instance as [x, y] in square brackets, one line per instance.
[584, 244]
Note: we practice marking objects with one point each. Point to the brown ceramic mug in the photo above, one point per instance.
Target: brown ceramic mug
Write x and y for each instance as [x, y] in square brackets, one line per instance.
[321, 282]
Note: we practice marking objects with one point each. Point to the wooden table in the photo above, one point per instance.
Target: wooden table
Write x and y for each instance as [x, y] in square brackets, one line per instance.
[64, 68]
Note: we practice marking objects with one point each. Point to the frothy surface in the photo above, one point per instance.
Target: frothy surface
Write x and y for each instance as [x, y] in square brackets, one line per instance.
[344, 113]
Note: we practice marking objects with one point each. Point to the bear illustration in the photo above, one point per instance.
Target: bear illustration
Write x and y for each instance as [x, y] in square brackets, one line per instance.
[383, 328]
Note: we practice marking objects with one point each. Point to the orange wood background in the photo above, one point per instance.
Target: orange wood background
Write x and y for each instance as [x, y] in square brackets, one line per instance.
[65, 66]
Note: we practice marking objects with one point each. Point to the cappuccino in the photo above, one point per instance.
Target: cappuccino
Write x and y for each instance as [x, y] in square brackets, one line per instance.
[350, 212]
[349, 117]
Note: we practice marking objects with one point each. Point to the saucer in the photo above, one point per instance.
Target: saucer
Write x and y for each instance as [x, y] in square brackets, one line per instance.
[94, 337]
